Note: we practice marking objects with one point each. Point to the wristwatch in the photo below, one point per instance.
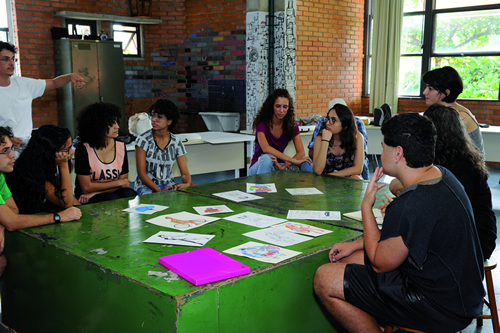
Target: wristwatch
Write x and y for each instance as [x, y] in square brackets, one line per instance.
[57, 218]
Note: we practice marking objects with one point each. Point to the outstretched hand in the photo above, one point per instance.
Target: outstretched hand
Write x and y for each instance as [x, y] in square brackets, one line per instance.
[386, 203]
[78, 81]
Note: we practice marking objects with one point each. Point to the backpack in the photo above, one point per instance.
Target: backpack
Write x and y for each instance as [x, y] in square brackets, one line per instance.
[382, 114]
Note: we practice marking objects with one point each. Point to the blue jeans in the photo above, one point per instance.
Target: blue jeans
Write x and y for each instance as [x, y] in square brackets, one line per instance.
[147, 190]
[266, 164]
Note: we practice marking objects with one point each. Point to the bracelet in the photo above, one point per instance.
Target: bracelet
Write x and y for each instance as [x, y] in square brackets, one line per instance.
[326, 140]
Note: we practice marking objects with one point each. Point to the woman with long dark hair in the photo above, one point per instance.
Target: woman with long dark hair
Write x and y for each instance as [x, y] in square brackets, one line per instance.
[274, 128]
[41, 179]
[101, 164]
[456, 152]
[339, 148]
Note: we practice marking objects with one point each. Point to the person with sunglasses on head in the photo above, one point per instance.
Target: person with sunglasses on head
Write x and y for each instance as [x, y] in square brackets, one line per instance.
[158, 149]
[17, 94]
[41, 180]
[339, 147]
[275, 127]
[101, 163]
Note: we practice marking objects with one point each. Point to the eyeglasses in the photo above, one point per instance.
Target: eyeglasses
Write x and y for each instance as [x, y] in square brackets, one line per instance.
[7, 59]
[331, 120]
[156, 115]
[6, 151]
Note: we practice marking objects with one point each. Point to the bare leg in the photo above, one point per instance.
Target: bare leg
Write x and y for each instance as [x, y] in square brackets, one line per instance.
[329, 286]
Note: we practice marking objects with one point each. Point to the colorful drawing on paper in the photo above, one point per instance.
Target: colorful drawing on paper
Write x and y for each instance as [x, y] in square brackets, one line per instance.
[215, 209]
[255, 220]
[277, 236]
[313, 215]
[262, 252]
[261, 188]
[145, 209]
[182, 220]
[302, 228]
[179, 238]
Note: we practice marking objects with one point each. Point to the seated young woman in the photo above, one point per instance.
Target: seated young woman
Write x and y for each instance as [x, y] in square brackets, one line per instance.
[339, 148]
[274, 128]
[157, 150]
[41, 180]
[456, 152]
[101, 164]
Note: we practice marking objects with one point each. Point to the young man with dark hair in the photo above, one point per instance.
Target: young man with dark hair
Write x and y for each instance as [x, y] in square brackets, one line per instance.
[424, 269]
[17, 94]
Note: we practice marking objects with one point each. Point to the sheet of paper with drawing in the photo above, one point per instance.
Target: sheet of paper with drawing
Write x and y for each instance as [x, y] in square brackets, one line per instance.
[303, 191]
[302, 228]
[182, 220]
[357, 215]
[237, 196]
[254, 219]
[145, 209]
[179, 238]
[277, 236]
[313, 215]
[261, 188]
[215, 209]
[262, 252]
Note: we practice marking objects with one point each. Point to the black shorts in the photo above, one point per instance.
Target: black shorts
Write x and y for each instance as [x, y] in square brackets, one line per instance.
[392, 298]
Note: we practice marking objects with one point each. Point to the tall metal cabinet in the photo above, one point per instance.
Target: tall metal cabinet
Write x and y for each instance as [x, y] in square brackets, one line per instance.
[101, 64]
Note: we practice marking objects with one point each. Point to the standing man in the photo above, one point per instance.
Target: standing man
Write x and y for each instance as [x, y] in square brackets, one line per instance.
[17, 94]
[424, 269]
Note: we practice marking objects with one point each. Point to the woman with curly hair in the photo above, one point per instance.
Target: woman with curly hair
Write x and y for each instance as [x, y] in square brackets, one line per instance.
[101, 164]
[41, 179]
[274, 127]
[456, 152]
[339, 148]
[157, 150]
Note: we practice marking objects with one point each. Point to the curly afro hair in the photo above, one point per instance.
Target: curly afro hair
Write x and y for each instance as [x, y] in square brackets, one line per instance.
[94, 121]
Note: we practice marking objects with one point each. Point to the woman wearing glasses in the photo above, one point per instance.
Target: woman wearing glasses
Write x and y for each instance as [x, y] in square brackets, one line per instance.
[274, 128]
[41, 179]
[338, 149]
[101, 164]
[157, 150]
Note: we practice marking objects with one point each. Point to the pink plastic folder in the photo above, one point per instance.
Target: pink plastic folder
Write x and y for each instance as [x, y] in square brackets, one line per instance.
[203, 266]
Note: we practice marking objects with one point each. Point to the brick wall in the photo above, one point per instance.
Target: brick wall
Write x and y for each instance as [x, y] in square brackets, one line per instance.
[329, 54]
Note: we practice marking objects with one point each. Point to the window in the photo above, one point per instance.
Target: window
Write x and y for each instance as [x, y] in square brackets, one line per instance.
[77, 28]
[439, 33]
[456, 34]
[4, 21]
[129, 35]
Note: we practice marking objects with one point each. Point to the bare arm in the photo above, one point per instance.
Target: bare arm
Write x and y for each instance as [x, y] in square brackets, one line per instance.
[140, 160]
[13, 221]
[268, 149]
[183, 168]
[89, 186]
[388, 254]
[63, 80]
[320, 150]
[359, 158]
[66, 187]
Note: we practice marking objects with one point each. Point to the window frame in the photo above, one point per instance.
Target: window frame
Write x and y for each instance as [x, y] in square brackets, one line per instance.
[94, 27]
[140, 38]
[429, 17]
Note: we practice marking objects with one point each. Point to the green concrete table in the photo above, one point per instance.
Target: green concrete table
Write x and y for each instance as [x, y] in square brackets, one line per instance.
[97, 275]
[340, 194]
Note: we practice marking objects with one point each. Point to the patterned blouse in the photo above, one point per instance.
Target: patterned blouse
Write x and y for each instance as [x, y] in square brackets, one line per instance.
[336, 163]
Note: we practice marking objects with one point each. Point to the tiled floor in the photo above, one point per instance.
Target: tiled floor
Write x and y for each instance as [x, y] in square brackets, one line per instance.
[495, 189]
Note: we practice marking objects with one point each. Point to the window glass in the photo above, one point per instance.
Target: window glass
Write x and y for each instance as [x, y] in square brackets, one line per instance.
[414, 5]
[129, 36]
[467, 31]
[444, 4]
[409, 75]
[81, 27]
[480, 75]
[412, 34]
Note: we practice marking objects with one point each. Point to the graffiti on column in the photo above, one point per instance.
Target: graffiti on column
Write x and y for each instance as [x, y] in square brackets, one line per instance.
[290, 48]
[279, 50]
[257, 63]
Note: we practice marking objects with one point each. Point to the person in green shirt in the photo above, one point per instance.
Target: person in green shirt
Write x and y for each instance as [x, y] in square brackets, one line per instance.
[10, 218]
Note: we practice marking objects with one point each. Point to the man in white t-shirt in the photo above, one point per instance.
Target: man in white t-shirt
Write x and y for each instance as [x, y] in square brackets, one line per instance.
[17, 94]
